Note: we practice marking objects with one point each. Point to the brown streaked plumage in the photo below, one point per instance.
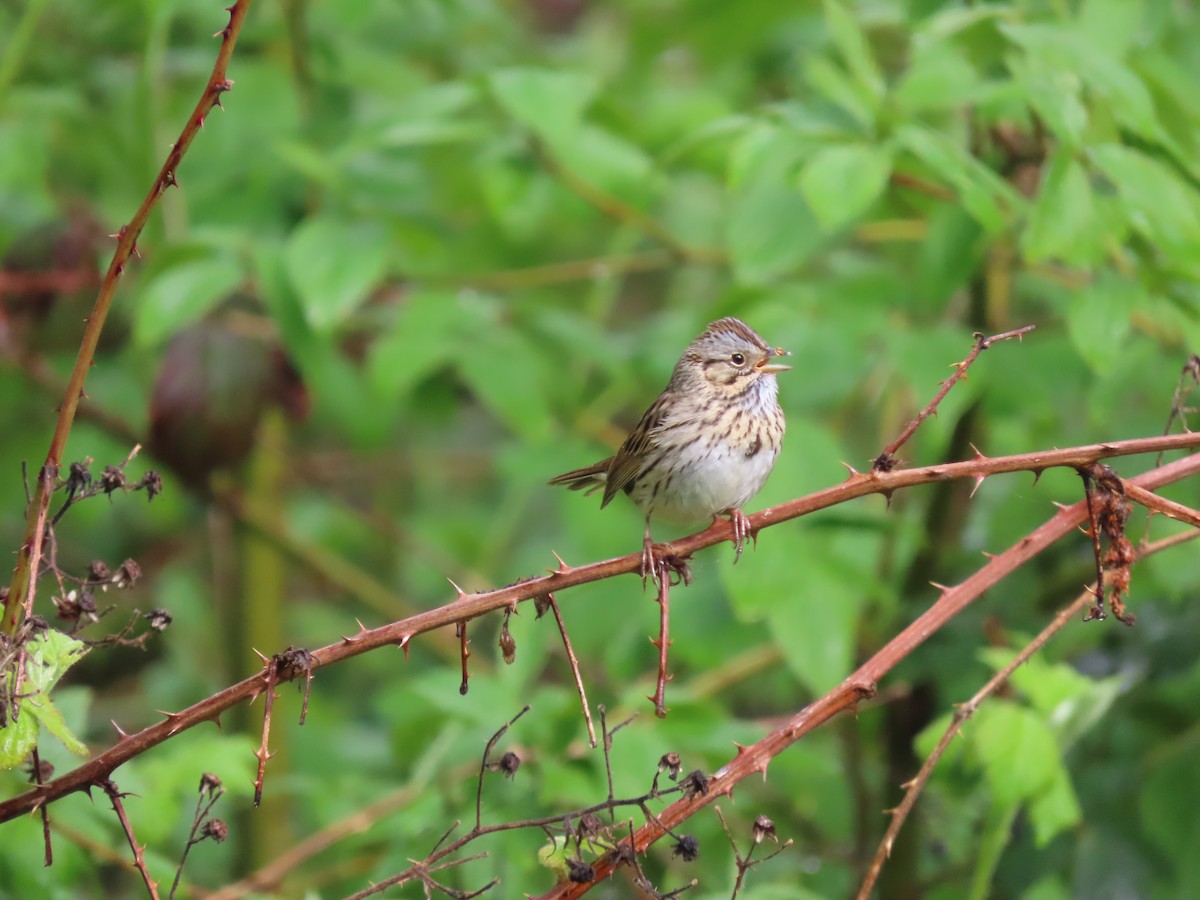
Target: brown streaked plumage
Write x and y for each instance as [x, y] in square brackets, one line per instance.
[707, 444]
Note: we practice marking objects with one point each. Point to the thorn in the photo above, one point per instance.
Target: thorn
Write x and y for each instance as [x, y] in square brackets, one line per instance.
[361, 626]
[262, 755]
[741, 749]
[461, 593]
[403, 645]
[979, 479]
[887, 497]
[988, 555]
[563, 568]
[1062, 506]
[978, 455]
[940, 587]
[854, 473]
[121, 732]
[1037, 475]
[264, 660]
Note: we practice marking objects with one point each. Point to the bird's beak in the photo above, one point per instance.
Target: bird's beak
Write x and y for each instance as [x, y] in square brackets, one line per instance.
[773, 368]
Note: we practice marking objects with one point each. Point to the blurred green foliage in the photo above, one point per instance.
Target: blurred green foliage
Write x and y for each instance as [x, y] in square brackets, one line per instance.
[432, 254]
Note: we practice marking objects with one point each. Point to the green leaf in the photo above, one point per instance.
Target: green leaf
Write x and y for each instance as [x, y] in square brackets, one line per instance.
[1111, 25]
[333, 265]
[17, 740]
[519, 196]
[814, 621]
[505, 371]
[50, 656]
[424, 336]
[986, 196]
[939, 78]
[831, 83]
[840, 183]
[1063, 223]
[1019, 755]
[1099, 316]
[1070, 51]
[1054, 809]
[182, 295]
[771, 232]
[607, 161]
[550, 103]
[49, 717]
[851, 42]
[1160, 204]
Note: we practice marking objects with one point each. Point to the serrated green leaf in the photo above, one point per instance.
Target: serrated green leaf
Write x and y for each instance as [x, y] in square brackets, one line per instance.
[182, 295]
[333, 265]
[1069, 50]
[550, 103]
[1054, 809]
[17, 740]
[986, 196]
[1099, 316]
[1019, 755]
[852, 44]
[1063, 223]
[940, 77]
[50, 656]
[607, 161]
[810, 597]
[507, 374]
[1161, 205]
[48, 716]
[841, 182]
[771, 232]
[424, 336]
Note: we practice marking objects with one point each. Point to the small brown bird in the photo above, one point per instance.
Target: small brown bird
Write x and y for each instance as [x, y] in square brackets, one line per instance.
[707, 444]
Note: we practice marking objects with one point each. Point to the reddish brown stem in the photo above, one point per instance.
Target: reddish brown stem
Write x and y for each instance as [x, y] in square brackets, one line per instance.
[886, 461]
[664, 641]
[968, 709]
[574, 662]
[269, 676]
[139, 859]
[473, 605]
[862, 683]
[19, 602]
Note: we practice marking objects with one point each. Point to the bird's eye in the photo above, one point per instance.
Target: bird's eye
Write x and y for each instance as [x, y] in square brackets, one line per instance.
[738, 359]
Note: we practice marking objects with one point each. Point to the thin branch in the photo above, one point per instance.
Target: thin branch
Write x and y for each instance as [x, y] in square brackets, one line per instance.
[575, 673]
[862, 683]
[484, 765]
[19, 602]
[886, 461]
[400, 633]
[139, 859]
[967, 710]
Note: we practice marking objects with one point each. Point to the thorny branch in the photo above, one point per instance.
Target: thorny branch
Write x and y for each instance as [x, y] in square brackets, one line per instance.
[139, 858]
[886, 461]
[964, 712]
[19, 602]
[862, 683]
[471, 606]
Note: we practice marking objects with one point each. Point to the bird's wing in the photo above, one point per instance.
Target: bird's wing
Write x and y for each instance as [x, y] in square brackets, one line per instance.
[628, 461]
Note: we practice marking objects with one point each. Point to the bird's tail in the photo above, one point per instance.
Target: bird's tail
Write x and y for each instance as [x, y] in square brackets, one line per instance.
[588, 479]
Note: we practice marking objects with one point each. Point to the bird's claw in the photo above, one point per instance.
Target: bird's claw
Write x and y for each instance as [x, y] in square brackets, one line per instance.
[658, 562]
[741, 530]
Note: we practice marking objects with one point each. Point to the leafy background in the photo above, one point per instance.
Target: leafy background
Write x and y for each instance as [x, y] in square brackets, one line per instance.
[434, 253]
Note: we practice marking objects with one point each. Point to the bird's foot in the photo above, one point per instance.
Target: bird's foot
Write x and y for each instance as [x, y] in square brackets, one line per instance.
[659, 561]
[741, 530]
